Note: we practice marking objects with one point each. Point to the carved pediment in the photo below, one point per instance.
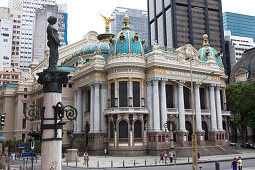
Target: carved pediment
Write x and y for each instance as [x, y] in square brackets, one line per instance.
[187, 51]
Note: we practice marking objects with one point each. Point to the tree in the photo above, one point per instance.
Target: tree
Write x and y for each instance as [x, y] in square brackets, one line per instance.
[241, 103]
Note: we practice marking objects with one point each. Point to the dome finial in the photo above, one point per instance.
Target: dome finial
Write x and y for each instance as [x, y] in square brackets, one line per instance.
[205, 41]
[126, 23]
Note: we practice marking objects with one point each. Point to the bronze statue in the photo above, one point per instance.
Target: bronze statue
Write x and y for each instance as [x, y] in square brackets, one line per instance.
[53, 43]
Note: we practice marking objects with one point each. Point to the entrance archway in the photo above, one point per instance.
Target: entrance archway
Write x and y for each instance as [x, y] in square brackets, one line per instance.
[205, 128]
[189, 128]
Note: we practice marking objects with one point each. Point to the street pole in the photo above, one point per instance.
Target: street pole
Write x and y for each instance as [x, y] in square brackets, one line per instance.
[194, 136]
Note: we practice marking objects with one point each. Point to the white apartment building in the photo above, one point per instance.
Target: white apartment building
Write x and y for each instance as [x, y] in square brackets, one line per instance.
[5, 42]
[237, 45]
[28, 8]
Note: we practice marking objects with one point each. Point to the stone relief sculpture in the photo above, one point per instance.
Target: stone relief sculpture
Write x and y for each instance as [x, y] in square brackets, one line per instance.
[53, 43]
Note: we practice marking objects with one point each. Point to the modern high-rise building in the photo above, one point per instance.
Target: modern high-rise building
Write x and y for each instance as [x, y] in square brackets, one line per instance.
[5, 38]
[138, 20]
[235, 47]
[239, 24]
[175, 23]
[10, 30]
[28, 8]
[40, 27]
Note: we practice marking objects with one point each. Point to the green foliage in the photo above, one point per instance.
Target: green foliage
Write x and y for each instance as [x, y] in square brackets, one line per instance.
[241, 103]
[78, 141]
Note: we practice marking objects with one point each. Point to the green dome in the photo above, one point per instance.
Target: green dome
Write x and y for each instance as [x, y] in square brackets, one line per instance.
[206, 51]
[126, 41]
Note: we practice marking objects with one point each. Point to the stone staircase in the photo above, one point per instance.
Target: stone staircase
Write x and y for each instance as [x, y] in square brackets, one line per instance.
[208, 150]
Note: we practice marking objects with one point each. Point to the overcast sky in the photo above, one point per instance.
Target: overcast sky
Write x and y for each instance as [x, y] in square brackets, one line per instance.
[84, 14]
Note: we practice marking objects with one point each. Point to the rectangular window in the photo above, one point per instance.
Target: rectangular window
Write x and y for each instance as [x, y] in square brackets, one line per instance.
[25, 96]
[169, 96]
[186, 92]
[24, 106]
[136, 94]
[123, 94]
[23, 137]
[112, 94]
[202, 97]
[24, 123]
[25, 89]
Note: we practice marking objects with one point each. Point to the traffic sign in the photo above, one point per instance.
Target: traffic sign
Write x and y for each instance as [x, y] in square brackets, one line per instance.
[21, 146]
[25, 155]
[2, 137]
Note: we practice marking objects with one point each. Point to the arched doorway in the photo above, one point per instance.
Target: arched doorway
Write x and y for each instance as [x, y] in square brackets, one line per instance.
[138, 129]
[189, 128]
[205, 128]
[123, 129]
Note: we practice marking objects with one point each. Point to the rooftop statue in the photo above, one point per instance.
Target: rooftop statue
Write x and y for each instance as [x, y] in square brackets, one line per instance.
[53, 43]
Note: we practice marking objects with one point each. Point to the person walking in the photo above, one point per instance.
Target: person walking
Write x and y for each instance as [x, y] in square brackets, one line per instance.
[86, 158]
[240, 163]
[161, 157]
[234, 164]
[13, 156]
[171, 156]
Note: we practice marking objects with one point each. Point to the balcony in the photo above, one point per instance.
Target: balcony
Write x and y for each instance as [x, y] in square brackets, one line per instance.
[128, 110]
[172, 111]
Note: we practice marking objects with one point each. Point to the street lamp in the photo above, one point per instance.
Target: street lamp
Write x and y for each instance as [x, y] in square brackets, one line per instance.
[194, 136]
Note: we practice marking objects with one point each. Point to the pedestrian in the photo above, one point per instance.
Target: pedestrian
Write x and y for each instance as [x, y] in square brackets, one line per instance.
[86, 158]
[105, 152]
[171, 156]
[234, 164]
[240, 163]
[161, 157]
[13, 156]
[165, 156]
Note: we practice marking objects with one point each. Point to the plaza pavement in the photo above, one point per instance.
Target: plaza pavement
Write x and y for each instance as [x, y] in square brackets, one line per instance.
[109, 161]
[98, 162]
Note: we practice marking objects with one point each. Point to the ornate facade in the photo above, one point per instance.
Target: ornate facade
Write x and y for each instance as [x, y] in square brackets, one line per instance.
[137, 102]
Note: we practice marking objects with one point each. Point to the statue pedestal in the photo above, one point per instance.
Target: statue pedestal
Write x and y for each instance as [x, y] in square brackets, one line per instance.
[71, 155]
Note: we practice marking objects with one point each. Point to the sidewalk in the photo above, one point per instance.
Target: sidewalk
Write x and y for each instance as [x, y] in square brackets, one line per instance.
[110, 161]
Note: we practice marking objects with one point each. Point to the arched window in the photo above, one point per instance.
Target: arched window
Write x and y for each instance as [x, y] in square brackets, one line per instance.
[138, 129]
[111, 130]
[123, 129]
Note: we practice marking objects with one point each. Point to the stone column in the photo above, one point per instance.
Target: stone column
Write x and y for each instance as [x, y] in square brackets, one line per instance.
[92, 93]
[218, 107]
[79, 109]
[130, 92]
[212, 108]
[97, 108]
[75, 105]
[163, 104]
[84, 109]
[116, 104]
[149, 105]
[103, 107]
[198, 108]
[181, 107]
[156, 114]
[51, 149]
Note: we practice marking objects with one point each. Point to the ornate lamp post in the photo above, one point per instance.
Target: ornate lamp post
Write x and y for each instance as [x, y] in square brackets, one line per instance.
[53, 110]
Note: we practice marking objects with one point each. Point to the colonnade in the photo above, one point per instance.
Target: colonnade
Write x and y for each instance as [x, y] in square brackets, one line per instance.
[98, 103]
[156, 102]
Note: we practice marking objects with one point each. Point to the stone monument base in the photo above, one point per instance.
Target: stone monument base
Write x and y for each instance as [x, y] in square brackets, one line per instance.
[218, 137]
[71, 155]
